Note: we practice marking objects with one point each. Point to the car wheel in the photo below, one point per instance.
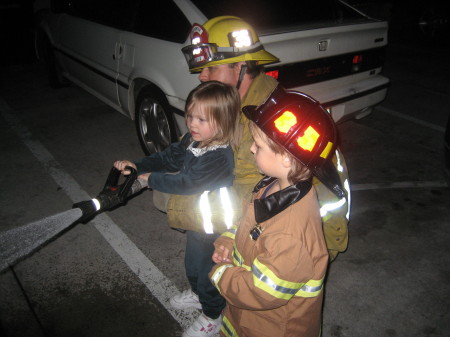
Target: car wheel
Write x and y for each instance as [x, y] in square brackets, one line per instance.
[47, 55]
[154, 122]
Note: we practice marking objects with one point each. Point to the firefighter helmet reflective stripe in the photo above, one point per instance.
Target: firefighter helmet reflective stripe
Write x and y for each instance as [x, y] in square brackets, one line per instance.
[304, 128]
[224, 40]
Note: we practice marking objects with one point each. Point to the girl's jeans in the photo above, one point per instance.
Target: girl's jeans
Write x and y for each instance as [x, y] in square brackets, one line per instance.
[198, 262]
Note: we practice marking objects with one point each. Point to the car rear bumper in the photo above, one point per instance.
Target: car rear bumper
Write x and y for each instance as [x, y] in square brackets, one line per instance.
[352, 98]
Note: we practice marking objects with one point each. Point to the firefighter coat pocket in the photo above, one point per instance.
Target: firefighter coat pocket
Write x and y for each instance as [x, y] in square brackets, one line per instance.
[208, 212]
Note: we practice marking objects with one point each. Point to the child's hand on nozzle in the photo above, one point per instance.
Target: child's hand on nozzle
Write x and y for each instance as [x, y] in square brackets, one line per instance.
[121, 164]
[221, 255]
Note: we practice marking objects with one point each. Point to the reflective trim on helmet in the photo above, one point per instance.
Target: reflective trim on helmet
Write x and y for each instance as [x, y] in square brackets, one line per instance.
[199, 54]
[326, 150]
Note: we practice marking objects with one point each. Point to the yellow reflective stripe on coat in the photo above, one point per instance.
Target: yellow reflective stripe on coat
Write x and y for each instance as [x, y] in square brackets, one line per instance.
[205, 210]
[238, 260]
[230, 233]
[332, 206]
[227, 329]
[267, 281]
[339, 166]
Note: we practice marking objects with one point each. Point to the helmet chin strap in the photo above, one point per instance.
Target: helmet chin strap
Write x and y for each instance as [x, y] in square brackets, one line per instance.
[241, 76]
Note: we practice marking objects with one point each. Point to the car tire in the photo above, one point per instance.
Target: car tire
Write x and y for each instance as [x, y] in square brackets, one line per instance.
[154, 121]
[47, 55]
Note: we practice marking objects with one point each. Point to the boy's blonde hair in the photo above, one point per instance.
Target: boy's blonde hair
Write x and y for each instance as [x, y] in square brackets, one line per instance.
[221, 104]
[298, 171]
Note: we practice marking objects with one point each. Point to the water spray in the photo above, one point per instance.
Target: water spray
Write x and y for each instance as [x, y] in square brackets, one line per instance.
[21, 242]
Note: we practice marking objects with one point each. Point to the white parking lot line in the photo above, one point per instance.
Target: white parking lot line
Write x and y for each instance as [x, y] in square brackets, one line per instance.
[411, 119]
[402, 184]
[160, 286]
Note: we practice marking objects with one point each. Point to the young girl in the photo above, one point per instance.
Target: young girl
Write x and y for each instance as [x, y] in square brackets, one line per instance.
[271, 271]
[202, 161]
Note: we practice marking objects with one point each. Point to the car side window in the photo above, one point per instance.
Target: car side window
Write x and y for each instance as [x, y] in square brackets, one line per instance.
[114, 13]
[164, 21]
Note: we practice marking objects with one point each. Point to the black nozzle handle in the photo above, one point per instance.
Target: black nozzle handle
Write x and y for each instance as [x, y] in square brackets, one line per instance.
[112, 194]
[124, 190]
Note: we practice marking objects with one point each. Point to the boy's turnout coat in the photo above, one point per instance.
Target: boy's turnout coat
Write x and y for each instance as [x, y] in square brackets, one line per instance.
[274, 286]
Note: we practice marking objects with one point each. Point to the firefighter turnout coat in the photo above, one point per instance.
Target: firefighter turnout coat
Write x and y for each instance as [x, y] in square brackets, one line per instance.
[274, 285]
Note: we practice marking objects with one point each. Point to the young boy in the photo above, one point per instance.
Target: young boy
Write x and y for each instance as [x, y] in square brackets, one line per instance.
[272, 268]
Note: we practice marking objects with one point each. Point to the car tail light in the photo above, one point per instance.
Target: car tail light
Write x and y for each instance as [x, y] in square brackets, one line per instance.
[273, 73]
[356, 62]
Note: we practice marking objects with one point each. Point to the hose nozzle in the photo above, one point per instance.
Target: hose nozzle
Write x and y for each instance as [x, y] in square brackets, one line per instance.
[112, 194]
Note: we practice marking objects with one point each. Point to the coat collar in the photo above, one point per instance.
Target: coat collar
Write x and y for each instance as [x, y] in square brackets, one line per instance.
[277, 202]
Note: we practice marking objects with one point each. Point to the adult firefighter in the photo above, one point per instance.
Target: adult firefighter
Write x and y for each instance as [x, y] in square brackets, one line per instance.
[227, 49]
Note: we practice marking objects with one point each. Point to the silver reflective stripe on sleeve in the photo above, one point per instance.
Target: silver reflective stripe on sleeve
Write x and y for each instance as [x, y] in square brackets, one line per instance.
[227, 207]
[218, 274]
[339, 167]
[206, 213]
[349, 198]
[331, 206]
[205, 210]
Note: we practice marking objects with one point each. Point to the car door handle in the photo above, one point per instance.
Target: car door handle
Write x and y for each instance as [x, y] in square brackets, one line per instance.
[118, 54]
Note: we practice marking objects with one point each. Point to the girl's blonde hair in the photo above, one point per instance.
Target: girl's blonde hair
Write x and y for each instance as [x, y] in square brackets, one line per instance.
[298, 171]
[221, 105]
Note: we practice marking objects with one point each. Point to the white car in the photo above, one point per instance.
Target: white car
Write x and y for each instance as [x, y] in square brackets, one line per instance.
[128, 54]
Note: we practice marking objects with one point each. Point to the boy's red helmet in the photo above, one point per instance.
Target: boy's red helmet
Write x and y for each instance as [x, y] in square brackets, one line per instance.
[304, 128]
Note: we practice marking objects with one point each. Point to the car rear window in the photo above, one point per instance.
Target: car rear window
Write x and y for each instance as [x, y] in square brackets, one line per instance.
[163, 21]
[271, 16]
[114, 13]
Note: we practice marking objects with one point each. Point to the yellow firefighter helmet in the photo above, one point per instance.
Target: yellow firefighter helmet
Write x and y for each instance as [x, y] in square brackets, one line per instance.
[224, 40]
